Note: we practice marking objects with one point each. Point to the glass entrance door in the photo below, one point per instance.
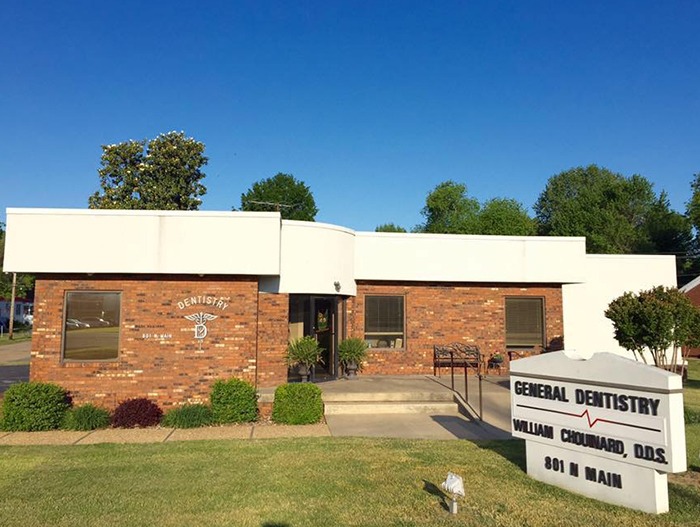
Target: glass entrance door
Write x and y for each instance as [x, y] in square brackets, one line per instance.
[318, 317]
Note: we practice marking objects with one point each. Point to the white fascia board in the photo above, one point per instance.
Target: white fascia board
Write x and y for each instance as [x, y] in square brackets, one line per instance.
[467, 258]
[119, 241]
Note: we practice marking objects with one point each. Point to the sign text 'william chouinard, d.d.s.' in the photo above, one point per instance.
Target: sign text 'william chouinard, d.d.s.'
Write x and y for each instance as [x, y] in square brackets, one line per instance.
[600, 425]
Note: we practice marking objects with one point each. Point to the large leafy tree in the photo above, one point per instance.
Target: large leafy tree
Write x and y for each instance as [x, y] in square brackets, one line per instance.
[616, 214]
[693, 206]
[505, 216]
[389, 227]
[449, 210]
[691, 266]
[654, 321]
[282, 193]
[164, 173]
[594, 202]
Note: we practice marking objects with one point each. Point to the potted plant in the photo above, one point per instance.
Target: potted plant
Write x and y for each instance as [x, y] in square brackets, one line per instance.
[304, 353]
[495, 362]
[496, 358]
[351, 353]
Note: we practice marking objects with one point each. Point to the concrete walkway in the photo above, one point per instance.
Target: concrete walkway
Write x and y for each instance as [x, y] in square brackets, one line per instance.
[461, 423]
[162, 435]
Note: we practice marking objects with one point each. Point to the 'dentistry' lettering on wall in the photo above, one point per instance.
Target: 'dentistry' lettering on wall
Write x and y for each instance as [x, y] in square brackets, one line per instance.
[200, 318]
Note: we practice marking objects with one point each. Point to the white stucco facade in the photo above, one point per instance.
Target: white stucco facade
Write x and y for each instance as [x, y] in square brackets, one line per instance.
[607, 277]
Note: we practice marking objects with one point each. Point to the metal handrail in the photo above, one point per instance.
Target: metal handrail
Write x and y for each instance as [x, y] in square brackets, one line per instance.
[465, 355]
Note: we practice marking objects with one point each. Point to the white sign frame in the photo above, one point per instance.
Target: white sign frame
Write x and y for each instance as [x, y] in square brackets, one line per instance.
[609, 414]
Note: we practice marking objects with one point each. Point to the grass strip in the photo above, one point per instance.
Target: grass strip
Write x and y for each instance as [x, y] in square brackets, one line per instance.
[297, 482]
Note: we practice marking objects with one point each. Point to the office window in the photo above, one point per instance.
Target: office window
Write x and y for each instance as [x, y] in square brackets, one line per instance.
[384, 321]
[91, 326]
[524, 322]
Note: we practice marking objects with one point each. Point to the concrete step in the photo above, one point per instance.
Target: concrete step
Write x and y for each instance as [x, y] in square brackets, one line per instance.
[433, 396]
[390, 407]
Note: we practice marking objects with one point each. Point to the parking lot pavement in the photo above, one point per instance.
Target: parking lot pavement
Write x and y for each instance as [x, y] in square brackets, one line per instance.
[14, 364]
[12, 354]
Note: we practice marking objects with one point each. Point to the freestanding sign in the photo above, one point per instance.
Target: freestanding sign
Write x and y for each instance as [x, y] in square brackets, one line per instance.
[607, 427]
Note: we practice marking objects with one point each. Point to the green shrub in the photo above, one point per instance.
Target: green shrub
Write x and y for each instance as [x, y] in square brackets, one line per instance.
[32, 406]
[86, 417]
[189, 416]
[234, 401]
[297, 404]
[692, 416]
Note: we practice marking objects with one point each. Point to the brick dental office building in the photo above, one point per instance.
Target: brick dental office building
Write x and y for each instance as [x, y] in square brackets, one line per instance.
[159, 304]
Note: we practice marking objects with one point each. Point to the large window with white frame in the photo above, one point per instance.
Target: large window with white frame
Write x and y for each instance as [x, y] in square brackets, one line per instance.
[525, 322]
[91, 326]
[384, 321]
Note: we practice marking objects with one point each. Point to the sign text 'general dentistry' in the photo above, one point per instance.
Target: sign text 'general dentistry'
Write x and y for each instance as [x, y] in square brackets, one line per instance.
[607, 427]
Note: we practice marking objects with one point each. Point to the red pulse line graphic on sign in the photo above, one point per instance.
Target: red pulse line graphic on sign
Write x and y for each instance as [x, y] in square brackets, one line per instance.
[585, 413]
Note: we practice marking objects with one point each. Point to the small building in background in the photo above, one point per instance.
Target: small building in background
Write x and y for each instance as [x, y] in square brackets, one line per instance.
[23, 311]
[692, 291]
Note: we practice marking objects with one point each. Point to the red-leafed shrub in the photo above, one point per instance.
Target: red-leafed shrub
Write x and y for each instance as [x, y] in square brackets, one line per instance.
[134, 413]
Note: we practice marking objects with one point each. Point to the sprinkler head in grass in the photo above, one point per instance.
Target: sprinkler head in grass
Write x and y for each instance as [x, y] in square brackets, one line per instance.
[455, 486]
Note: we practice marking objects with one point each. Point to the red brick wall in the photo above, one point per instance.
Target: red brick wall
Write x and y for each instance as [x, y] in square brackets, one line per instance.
[444, 313]
[169, 371]
[273, 336]
[249, 338]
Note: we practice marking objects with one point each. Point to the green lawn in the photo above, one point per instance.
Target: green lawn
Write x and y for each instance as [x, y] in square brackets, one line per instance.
[691, 395]
[17, 336]
[308, 482]
[295, 482]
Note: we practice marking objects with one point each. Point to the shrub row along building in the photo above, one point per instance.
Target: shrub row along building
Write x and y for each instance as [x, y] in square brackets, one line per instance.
[159, 304]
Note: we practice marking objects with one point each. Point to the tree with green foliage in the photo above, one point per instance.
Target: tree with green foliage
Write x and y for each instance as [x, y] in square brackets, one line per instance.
[504, 216]
[164, 173]
[692, 213]
[656, 320]
[449, 210]
[389, 227]
[693, 206]
[671, 233]
[613, 212]
[284, 194]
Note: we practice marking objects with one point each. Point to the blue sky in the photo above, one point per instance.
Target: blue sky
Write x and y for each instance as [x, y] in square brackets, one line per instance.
[371, 103]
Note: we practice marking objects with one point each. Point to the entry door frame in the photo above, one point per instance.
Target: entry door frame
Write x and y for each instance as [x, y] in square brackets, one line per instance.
[333, 366]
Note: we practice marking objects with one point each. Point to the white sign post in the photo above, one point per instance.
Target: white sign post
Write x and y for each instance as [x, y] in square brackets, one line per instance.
[607, 427]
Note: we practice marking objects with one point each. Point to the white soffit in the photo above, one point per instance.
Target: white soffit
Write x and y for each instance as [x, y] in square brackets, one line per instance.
[118, 241]
[462, 258]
